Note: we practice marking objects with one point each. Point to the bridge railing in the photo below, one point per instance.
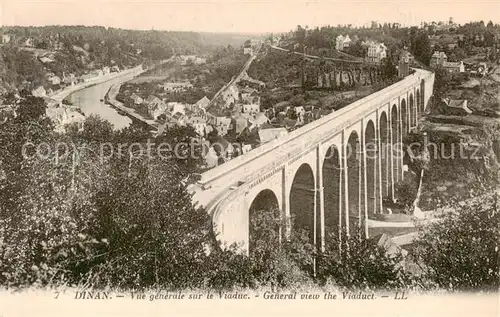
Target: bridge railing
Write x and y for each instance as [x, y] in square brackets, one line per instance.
[359, 108]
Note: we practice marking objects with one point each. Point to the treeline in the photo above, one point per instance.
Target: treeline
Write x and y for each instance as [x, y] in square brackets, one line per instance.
[91, 214]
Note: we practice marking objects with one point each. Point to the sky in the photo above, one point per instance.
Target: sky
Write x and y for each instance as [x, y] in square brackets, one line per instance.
[247, 16]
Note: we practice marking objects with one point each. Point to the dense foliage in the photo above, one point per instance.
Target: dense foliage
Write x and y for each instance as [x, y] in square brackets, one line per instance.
[461, 251]
[351, 261]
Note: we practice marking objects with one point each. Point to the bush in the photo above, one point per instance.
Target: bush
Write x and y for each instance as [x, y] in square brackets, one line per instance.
[284, 264]
[461, 252]
[406, 192]
[358, 263]
[270, 263]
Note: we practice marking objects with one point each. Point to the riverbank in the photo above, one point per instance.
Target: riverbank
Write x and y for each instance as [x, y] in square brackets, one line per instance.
[110, 99]
[61, 95]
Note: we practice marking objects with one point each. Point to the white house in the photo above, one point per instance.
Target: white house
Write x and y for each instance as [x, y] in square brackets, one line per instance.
[376, 52]
[251, 108]
[6, 38]
[62, 116]
[342, 42]
[203, 102]
[211, 158]
[55, 80]
[175, 107]
[198, 123]
[177, 86]
[39, 92]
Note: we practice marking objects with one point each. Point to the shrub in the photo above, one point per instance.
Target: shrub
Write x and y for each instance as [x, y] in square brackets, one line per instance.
[461, 252]
[358, 263]
[275, 263]
[405, 192]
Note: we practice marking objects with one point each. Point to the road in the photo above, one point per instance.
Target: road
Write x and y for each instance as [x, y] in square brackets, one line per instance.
[234, 79]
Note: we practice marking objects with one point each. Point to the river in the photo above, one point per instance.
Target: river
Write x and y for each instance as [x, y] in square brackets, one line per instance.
[89, 101]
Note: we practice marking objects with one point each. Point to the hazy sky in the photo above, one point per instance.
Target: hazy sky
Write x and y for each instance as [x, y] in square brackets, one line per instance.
[238, 16]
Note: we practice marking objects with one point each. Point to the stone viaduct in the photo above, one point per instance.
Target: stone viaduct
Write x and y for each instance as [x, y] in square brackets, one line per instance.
[328, 175]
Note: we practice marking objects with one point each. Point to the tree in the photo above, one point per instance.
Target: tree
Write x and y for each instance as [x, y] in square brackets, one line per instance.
[353, 262]
[422, 47]
[441, 83]
[300, 34]
[356, 49]
[389, 70]
[460, 251]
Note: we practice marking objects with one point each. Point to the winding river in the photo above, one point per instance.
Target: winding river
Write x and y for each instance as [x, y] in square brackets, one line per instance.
[89, 101]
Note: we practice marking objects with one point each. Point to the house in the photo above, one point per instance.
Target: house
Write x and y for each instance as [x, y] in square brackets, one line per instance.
[376, 52]
[174, 107]
[457, 107]
[247, 50]
[454, 67]
[342, 42]
[258, 120]
[198, 123]
[29, 42]
[250, 108]
[229, 95]
[54, 80]
[153, 104]
[300, 112]
[46, 60]
[184, 59]
[211, 157]
[177, 87]
[270, 133]
[136, 100]
[106, 70]
[438, 58]
[39, 92]
[160, 109]
[6, 38]
[246, 148]
[221, 124]
[239, 124]
[62, 116]
[180, 118]
[115, 69]
[57, 45]
[203, 102]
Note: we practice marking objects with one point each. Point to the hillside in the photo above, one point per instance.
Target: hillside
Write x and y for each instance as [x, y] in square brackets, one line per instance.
[34, 53]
